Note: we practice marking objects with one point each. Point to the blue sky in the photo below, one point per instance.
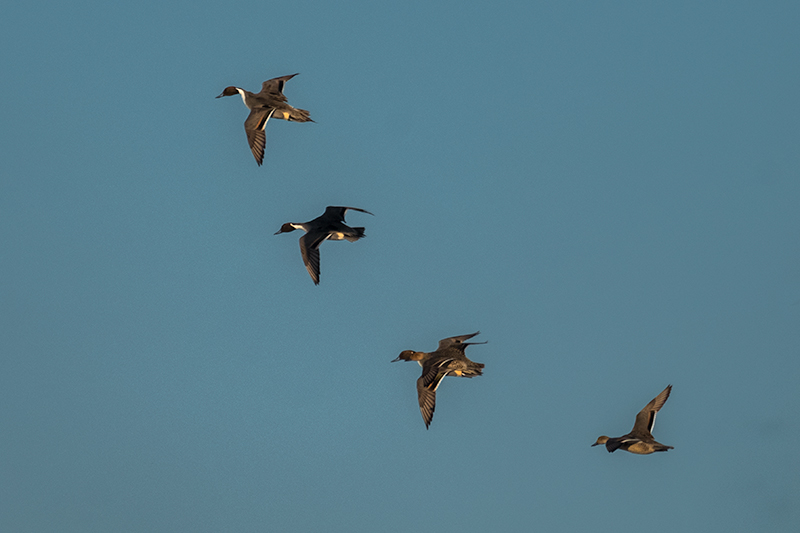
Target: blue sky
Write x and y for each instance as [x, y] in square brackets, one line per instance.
[607, 191]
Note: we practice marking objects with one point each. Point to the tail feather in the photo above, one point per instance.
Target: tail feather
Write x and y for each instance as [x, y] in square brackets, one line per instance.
[357, 234]
[299, 115]
[474, 369]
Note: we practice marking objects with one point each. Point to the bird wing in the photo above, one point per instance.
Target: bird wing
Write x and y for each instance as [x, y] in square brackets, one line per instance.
[453, 341]
[615, 444]
[309, 249]
[335, 213]
[354, 209]
[274, 87]
[646, 418]
[426, 392]
[254, 128]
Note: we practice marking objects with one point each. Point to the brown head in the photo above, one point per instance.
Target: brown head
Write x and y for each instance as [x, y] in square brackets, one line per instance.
[409, 355]
[286, 228]
[602, 439]
[229, 91]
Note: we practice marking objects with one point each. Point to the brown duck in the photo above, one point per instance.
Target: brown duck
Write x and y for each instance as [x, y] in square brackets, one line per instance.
[448, 360]
[640, 440]
[269, 103]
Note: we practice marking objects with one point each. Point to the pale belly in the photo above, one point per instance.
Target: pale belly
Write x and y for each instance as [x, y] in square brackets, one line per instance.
[642, 448]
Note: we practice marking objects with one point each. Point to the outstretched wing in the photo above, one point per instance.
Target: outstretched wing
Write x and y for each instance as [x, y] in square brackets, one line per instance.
[336, 212]
[274, 88]
[254, 128]
[646, 418]
[309, 249]
[455, 341]
[426, 392]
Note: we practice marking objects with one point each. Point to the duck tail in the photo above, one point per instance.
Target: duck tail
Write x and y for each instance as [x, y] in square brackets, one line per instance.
[299, 115]
[357, 234]
[474, 369]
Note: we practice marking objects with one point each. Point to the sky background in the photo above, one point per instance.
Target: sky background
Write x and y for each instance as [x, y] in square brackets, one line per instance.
[608, 191]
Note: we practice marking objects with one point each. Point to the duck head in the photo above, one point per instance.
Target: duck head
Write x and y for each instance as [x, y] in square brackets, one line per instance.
[229, 91]
[409, 355]
[286, 228]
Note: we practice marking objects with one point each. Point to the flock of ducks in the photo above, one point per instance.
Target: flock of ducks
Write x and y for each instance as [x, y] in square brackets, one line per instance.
[449, 359]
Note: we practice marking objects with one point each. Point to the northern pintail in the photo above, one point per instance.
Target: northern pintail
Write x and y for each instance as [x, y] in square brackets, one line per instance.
[448, 359]
[269, 103]
[640, 440]
[329, 226]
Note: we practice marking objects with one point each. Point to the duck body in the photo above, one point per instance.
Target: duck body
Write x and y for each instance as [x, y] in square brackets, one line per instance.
[635, 445]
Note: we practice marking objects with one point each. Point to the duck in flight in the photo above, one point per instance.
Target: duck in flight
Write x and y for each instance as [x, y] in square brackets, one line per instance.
[328, 226]
[640, 440]
[269, 103]
[449, 359]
